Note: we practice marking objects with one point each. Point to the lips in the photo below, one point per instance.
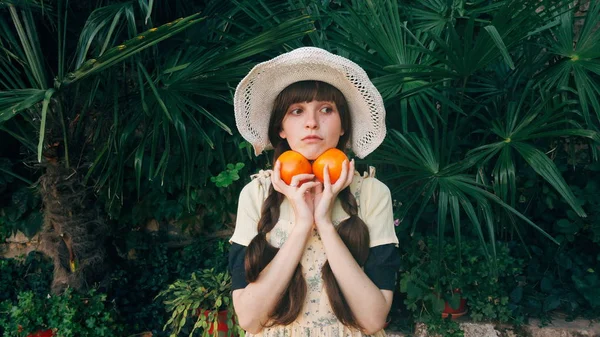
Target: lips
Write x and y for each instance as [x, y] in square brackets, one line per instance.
[312, 138]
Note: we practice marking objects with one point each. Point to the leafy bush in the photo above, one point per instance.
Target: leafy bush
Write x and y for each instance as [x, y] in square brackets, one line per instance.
[430, 276]
[150, 265]
[69, 315]
[208, 291]
[34, 274]
[563, 278]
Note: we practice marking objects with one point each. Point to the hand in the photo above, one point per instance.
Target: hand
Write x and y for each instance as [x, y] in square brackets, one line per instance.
[301, 198]
[326, 193]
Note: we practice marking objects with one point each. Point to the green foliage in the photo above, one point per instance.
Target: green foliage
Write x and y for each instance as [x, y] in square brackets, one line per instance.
[125, 112]
[566, 280]
[22, 213]
[204, 208]
[438, 326]
[147, 266]
[19, 203]
[33, 273]
[228, 176]
[482, 126]
[207, 291]
[431, 276]
[469, 105]
[137, 278]
[70, 314]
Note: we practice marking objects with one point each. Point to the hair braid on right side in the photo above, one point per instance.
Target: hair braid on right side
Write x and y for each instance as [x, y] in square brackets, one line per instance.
[355, 235]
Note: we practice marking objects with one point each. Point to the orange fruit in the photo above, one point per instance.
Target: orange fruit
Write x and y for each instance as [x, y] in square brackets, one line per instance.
[293, 163]
[333, 158]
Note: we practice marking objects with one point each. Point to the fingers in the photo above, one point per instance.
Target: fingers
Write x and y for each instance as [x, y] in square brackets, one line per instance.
[345, 179]
[318, 187]
[276, 181]
[326, 178]
[343, 176]
[306, 186]
[300, 178]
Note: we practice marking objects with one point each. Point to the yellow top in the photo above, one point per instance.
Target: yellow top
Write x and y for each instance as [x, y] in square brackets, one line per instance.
[317, 318]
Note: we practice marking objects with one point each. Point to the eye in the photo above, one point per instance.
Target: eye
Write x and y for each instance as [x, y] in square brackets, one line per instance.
[326, 109]
[295, 111]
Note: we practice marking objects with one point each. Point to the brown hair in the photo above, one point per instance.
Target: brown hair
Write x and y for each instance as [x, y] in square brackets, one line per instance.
[353, 231]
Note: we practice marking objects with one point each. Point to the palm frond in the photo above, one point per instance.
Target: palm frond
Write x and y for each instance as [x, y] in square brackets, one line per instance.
[14, 101]
[456, 191]
[521, 123]
[577, 59]
[130, 47]
[26, 45]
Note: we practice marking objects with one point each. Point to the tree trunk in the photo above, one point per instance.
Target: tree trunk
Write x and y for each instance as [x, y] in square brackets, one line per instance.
[74, 229]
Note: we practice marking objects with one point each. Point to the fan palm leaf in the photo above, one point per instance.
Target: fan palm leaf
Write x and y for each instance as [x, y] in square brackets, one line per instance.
[424, 181]
[517, 127]
[576, 59]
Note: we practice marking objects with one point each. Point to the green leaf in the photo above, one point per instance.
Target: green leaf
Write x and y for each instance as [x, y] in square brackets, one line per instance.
[131, 47]
[500, 44]
[543, 166]
[551, 302]
[40, 149]
[137, 164]
[157, 96]
[16, 101]
[30, 45]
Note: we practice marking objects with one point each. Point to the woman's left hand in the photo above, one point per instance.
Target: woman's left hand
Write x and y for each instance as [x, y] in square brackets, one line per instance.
[326, 193]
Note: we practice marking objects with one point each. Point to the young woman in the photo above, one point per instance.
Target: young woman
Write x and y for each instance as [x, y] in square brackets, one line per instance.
[312, 258]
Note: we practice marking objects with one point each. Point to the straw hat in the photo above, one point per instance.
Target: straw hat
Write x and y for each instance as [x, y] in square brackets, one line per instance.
[256, 93]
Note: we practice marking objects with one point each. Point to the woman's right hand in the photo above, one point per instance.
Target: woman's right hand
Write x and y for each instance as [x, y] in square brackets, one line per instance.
[300, 197]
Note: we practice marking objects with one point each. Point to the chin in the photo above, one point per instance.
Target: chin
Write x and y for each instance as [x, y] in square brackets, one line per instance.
[312, 151]
[311, 155]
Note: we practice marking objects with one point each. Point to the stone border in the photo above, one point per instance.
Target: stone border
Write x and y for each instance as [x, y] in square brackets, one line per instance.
[558, 328]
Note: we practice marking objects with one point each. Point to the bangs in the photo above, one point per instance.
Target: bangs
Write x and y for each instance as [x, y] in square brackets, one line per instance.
[307, 91]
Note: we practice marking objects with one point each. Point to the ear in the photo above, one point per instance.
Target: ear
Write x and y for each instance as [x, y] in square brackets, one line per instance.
[282, 134]
[341, 134]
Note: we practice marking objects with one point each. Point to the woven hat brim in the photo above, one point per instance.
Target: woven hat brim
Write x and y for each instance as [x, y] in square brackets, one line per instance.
[256, 93]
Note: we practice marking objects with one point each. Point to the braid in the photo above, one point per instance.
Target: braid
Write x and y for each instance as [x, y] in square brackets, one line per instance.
[355, 235]
[259, 254]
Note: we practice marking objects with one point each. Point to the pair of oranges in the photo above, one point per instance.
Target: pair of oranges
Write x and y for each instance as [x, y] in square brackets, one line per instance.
[294, 163]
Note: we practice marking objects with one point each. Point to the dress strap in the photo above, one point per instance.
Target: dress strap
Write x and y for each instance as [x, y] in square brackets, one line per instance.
[264, 179]
[371, 173]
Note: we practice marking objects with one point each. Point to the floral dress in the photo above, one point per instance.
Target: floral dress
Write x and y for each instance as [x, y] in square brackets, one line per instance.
[316, 318]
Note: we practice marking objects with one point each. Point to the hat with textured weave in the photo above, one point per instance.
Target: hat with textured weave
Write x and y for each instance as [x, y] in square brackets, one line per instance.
[256, 93]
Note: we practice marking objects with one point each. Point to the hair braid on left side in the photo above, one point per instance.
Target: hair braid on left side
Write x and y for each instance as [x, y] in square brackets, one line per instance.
[260, 252]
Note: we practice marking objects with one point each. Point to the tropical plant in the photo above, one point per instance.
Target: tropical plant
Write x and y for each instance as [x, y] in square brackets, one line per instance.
[126, 101]
[202, 296]
[472, 101]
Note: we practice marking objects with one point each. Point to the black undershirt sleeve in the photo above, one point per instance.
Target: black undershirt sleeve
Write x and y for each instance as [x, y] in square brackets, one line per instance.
[381, 266]
[236, 266]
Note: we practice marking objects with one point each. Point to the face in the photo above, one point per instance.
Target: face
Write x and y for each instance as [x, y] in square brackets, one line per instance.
[311, 128]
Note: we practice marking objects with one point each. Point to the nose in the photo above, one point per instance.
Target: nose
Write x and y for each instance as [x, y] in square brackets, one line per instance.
[311, 121]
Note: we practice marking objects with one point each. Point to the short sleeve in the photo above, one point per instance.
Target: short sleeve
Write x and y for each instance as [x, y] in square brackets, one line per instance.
[236, 266]
[382, 266]
[248, 212]
[377, 212]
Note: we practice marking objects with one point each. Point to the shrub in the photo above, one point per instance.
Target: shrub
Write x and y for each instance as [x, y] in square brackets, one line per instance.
[70, 314]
